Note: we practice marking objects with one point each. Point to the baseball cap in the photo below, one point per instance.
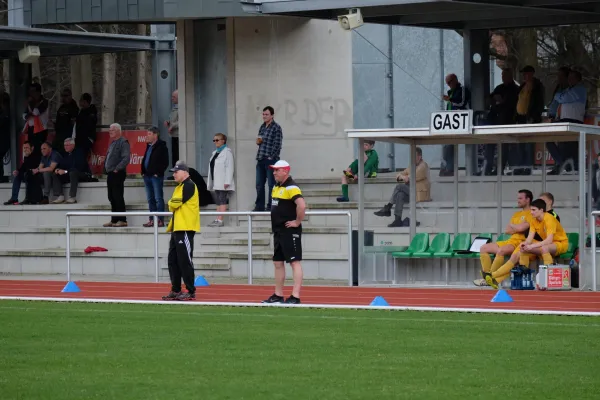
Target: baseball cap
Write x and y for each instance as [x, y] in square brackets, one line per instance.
[180, 166]
[280, 164]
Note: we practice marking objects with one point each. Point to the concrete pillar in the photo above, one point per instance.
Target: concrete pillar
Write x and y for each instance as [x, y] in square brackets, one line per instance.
[185, 85]
[164, 78]
[477, 79]
[20, 77]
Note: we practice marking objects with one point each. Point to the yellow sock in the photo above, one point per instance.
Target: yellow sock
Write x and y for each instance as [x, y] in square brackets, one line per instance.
[486, 262]
[498, 261]
[547, 258]
[524, 260]
[503, 270]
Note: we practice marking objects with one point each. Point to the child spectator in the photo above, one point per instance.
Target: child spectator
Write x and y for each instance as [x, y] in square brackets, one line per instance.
[371, 160]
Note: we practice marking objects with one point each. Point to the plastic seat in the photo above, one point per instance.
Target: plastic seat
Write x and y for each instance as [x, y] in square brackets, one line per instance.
[573, 243]
[419, 244]
[462, 241]
[440, 243]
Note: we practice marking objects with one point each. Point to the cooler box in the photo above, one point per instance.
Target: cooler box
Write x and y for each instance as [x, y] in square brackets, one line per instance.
[553, 277]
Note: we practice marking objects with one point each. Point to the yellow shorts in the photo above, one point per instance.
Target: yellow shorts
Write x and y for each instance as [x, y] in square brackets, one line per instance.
[561, 247]
[513, 242]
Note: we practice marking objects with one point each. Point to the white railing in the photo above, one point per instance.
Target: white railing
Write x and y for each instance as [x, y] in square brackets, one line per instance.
[155, 216]
[592, 224]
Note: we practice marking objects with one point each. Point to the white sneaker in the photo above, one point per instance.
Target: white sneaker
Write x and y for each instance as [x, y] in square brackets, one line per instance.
[216, 223]
[71, 200]
[59, 200]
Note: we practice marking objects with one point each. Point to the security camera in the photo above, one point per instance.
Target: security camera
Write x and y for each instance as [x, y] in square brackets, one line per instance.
[352, 20]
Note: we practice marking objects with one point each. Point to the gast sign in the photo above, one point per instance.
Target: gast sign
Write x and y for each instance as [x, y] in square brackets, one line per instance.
[457, 122]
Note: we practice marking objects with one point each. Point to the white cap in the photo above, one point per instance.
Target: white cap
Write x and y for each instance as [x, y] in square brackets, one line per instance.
[280, 164]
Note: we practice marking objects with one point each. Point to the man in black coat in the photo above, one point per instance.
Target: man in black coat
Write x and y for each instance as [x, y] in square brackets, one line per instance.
[154, 164]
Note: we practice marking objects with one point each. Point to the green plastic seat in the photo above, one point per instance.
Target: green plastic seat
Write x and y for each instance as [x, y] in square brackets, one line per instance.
[440, 243]
[462, 241]
[419, 244]
[573, 243]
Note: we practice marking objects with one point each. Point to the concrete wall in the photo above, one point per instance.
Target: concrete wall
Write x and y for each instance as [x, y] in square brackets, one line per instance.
[303, 69]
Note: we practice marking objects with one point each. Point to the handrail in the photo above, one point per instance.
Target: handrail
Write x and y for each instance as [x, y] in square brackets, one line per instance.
[157, 214]
[592, 224]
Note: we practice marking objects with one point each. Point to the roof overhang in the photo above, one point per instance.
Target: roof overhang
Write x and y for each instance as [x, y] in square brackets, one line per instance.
[491, 134]
[54, 42]
[443, 14]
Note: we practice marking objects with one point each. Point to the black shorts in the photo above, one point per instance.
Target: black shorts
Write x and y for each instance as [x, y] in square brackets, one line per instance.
[288, 246]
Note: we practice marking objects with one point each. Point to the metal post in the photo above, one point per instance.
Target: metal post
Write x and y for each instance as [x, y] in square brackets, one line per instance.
[499, 167]
[250, 269]
[68, 234]
[544, 167]
[350, 277]
[412, 189]
[361, 205]
[593, 232]
[582, 210]
[156, 247]
[456, 193]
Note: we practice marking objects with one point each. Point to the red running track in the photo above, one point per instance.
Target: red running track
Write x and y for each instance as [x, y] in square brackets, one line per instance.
[572, 301]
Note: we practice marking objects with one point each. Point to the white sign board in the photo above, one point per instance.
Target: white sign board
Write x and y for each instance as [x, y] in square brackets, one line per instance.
[456, 122]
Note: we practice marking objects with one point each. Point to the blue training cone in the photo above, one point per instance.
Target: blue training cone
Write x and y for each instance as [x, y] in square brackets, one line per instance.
[379, 301]
[502, 297]
[200, 281]
[71, 287]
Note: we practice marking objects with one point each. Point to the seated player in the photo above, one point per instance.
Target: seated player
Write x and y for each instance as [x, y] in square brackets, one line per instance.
[554, 242]
[518, 228]
[371, 160]
[549, 199]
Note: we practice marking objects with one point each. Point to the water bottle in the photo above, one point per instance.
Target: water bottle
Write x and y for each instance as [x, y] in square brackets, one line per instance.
[523, 282]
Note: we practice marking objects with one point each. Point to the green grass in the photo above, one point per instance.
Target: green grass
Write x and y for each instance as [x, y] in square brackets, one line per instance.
[112, 351]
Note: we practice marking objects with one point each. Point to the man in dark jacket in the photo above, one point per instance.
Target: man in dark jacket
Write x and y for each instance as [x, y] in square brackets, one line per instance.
[33, 182]
[73, 168]
[154, 164]
[458, 98]
[65, 119]
[530, 105]
[85, 127]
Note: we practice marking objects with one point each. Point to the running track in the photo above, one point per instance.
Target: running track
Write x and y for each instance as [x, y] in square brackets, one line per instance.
[571, 301]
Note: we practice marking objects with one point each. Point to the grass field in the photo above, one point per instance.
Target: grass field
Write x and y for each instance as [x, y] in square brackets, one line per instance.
[117, 351]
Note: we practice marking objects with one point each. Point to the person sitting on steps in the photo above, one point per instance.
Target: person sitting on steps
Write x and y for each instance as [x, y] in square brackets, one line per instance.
[371, 160]
[401, 191]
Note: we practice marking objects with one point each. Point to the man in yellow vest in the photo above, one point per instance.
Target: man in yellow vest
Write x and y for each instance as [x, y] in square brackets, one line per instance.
[184, 224]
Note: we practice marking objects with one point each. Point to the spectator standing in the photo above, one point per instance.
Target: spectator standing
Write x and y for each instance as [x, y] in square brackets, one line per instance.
[36, 118]
[66, 116]
[73, 168]
[173, 126]
[184, 205]
[220, 175]
[457, 98]
[530, 106]
[115, 165]
[154, 164]
[269, 142]
[85, 126]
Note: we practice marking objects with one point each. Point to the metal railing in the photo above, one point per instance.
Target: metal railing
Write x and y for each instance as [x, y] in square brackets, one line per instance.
[592, 224]
[155, 216]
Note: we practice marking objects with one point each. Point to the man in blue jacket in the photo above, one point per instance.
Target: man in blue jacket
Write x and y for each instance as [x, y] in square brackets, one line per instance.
[154, 164]
[73, 168]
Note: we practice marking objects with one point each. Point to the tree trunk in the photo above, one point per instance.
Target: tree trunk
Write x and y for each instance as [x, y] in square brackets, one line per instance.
[75, 63]
[108, 85]
[142, 88]
[6, 75]
[86, 75]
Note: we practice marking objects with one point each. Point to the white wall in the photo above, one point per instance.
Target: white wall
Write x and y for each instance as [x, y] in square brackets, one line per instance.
[303, 69]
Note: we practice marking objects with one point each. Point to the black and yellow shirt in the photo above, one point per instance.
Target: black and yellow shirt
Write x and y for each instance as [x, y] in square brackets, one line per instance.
[283, 206]
[185, 206]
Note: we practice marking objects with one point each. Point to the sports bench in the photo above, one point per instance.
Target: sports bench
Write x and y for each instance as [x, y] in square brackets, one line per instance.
[447, 251]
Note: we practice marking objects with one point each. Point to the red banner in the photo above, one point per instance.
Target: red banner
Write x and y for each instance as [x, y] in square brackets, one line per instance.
[137, 144]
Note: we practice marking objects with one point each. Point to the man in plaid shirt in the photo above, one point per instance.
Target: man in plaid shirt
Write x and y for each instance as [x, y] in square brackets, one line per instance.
[269, 141]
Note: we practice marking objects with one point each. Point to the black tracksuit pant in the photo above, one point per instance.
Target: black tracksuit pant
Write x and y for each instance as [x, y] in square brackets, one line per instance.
[115, 184]
[181, 250]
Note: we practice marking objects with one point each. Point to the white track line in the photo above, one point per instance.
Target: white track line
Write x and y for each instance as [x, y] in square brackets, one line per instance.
[322, 306]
